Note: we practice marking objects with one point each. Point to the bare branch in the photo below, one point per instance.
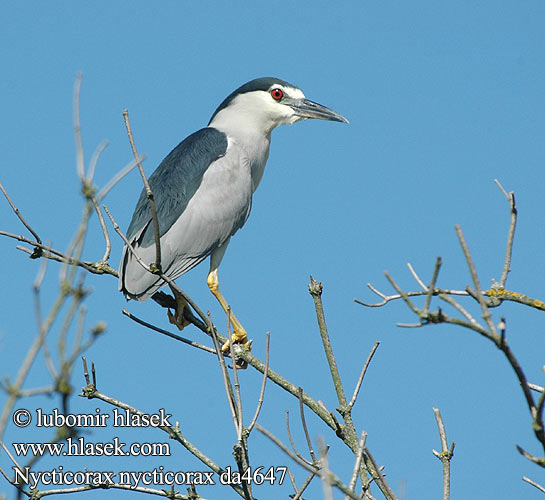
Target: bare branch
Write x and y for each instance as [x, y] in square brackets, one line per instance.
[533, 483]
[315, 289]
[536, 387]
[431, 288]
[446, 454]
[299, 492]
[29, 360]
[90, 392]
[304, 423]
[20, 216]
[94, 161]
[403, 295]
[107, 242]
[362, 374]
[262, 392]
[378, 476]
[238, 397]
[167, 333]
[536, 460]
[510, 235]
[469, 259]
[332, 478]
[149, 193]
[163, 276]
[416, 277]
[291, 440]
[357, 462]
[225, 375]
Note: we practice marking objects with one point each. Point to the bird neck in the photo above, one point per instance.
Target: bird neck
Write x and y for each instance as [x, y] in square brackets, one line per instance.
[254, 141]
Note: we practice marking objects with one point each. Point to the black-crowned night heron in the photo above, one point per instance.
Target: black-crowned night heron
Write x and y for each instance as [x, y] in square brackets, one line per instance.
[203, 189]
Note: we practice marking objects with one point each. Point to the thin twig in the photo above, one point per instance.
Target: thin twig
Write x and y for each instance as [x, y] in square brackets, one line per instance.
[335, 481]
[446, 453]
[238, 397]
[362, 374]
[315, 289]
[326, 473]
[469, 259]
[378, 476]
[403, 295]
[536, 387]
[263, 384]
[416, 277]
[107, 241]
[304, 423]
[19, 215]
[296, 451]
[149, 193]
[225, 375]
[167, 333]
[91, 392]
[163, 276]
[460, 309]
[29, 360]
[304, 486]
[533, 483]
[431, 288]
[510, 235]
[94, 161]
[357, 463]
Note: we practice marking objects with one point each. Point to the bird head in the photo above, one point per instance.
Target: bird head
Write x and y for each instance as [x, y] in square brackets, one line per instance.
[265, 103]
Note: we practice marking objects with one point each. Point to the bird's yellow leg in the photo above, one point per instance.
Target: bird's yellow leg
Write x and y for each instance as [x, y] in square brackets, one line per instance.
[239, 333]
[178, 317]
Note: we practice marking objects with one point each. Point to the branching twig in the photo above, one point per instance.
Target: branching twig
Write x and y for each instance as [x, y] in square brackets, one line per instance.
[484, 308]
[91, 392]
[332, 478]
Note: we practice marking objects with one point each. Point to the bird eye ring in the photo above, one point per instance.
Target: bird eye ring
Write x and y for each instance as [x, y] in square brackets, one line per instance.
[277, 94]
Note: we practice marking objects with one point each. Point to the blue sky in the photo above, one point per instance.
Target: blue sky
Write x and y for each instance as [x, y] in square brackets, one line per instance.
[442, 99]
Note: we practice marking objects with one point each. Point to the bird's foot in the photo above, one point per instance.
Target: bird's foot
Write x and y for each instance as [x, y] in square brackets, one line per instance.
[178, 317]
[239, 337]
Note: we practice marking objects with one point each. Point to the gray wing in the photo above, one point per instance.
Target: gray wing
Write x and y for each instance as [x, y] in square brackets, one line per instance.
[175, 181]
[211, 202]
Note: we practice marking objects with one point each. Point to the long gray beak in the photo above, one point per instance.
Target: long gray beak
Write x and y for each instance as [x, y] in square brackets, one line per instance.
[309, 109]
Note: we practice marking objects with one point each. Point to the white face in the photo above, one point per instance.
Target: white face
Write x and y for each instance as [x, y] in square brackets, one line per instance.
[261, 109]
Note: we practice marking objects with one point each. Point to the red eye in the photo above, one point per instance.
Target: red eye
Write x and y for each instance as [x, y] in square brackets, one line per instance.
[277, 94]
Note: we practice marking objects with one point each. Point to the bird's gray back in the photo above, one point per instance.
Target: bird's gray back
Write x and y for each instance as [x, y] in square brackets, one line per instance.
[175, 181]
